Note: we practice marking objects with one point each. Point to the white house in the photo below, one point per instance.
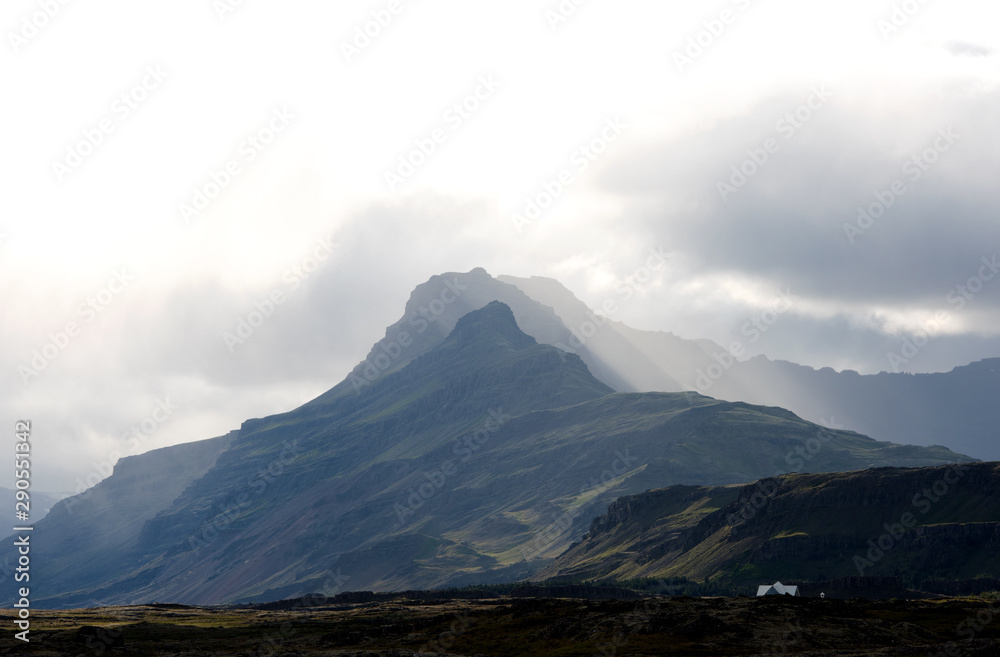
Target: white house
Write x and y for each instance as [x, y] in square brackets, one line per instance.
[777, 589]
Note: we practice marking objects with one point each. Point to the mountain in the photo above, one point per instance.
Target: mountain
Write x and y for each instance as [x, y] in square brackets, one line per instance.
[434, 309]
[917, 525]
[41, 503]
[627, 359]
[481, 458]
[85, 536]
[956, 409]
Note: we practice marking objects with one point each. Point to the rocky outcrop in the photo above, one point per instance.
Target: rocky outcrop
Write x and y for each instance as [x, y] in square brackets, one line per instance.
[940, 524]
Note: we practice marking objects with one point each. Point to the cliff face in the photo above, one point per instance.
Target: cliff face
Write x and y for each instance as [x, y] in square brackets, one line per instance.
[84, 535]
[913, 524]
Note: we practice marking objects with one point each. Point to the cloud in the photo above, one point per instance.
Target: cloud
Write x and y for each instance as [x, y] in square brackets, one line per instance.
[785, 222]
[323, 179]
[166, 337]
[965, 49]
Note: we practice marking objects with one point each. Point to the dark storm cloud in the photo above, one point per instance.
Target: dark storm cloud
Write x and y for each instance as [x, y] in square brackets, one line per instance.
[786, 223]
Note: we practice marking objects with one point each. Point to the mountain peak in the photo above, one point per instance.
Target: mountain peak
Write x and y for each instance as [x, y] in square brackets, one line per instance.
[494, 322]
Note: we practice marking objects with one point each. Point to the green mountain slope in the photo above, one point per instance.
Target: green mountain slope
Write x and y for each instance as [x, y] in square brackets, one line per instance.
[481, 458]
[914, 524]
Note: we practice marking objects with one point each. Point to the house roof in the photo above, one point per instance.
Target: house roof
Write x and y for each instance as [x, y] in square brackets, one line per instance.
[777, 589]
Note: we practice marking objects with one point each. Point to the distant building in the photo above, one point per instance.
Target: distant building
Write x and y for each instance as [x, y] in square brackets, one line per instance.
[777, 589]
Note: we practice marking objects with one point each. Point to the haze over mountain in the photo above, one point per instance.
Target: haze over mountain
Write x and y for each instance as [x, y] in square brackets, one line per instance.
[955, 408]
[41, 503]
[319, 203]
[475, 457]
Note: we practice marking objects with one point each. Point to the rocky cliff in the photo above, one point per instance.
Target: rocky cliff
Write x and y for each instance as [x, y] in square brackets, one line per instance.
[917, 525]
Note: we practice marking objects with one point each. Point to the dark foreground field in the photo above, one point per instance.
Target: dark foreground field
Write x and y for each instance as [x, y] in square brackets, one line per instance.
[523, 627]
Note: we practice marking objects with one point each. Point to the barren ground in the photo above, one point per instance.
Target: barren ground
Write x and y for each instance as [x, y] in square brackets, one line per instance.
[523, 627]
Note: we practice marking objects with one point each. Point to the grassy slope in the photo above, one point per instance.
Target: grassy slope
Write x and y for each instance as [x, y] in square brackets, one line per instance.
[810, 528]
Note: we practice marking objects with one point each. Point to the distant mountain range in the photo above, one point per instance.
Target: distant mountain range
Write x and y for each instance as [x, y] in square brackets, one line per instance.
[41, 504]
[957, 409]
[917, 525]
[461, 450]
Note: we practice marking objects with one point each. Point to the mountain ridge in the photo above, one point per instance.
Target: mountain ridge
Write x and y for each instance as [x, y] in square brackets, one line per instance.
[953, 408]
[915, 524]
[502, 447]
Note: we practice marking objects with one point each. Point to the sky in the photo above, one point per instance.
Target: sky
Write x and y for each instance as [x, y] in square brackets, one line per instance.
[169, 168]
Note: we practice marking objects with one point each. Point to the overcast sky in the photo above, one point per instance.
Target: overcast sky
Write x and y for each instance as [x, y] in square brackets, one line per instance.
[167, 166]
